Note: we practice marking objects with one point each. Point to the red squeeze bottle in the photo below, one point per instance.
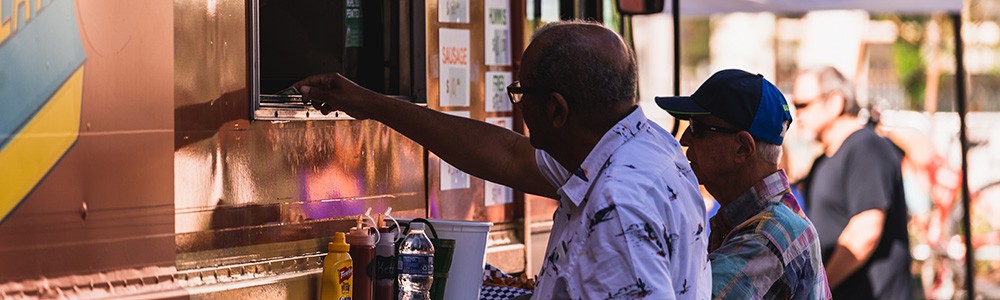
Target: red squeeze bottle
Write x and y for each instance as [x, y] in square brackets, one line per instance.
[363, 253]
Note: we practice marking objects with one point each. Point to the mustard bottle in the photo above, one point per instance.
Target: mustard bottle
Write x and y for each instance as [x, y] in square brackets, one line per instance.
[338, 270]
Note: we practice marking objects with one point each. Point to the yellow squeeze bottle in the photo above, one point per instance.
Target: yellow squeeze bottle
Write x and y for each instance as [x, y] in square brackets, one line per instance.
[338, 270]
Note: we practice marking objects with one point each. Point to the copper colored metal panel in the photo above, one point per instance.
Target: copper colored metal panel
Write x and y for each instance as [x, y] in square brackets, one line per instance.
[242, 185]
[107, 205]
[168, 171]
[167, 166]
[117, 215]
[276, 176]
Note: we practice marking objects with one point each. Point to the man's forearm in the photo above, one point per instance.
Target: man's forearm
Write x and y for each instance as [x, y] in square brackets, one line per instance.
[855, 245]
[482, 149]
[841, 265]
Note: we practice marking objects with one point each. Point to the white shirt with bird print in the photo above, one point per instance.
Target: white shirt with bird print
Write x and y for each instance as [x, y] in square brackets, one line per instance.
[631, 222]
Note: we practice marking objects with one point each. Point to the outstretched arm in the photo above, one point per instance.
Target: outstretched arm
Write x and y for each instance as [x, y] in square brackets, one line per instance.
[481, 149]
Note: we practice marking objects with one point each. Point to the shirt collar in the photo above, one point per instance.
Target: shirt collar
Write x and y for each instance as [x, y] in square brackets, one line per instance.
[753, 201]
[575, 189]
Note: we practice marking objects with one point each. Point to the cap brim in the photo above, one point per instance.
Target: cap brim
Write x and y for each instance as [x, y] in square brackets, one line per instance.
[681, 107]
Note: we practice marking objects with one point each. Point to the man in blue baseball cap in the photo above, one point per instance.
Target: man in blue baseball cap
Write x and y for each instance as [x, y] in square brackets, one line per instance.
[761, 244]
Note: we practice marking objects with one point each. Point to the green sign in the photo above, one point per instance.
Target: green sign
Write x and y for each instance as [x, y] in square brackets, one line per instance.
[352, 20]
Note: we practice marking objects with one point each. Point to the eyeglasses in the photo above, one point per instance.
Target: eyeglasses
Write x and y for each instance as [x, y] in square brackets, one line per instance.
[803, 105]
[515, 91]
[699, 129]
[806, 103]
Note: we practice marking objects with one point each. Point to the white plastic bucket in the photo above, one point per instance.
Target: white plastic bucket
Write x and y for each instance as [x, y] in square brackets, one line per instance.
[466, 274]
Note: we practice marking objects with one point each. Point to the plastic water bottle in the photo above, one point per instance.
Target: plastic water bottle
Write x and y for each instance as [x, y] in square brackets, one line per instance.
[416, 264]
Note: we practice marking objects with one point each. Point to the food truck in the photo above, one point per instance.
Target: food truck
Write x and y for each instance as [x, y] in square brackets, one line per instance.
[147, 148]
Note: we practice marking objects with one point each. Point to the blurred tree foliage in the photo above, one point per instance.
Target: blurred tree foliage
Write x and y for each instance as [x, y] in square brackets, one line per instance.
[695, 32]
[910, 65]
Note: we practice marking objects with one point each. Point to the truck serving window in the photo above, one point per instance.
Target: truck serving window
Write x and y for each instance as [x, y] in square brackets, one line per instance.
[367, 41]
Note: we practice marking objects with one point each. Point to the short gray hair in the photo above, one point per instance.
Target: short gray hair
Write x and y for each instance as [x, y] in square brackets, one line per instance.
[590, 82]
[768, 152]
[832, 81]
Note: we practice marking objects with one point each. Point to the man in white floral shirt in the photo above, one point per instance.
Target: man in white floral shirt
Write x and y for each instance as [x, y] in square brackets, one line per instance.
[631, 222]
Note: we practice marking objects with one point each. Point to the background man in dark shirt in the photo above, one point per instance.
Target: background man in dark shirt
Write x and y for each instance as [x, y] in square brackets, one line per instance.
[854, 193]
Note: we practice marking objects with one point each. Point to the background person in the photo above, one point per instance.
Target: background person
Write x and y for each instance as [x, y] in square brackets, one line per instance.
[854, 192]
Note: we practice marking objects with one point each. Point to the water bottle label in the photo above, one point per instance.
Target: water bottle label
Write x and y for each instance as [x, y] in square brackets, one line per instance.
[416, 264]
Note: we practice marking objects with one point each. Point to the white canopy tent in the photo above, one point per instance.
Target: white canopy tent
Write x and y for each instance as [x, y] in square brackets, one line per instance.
[707, 7]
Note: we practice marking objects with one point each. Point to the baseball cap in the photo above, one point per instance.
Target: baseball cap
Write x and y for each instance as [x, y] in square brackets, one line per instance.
[747, 101]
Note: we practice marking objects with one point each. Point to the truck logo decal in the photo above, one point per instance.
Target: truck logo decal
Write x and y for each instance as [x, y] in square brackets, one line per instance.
[41, 87]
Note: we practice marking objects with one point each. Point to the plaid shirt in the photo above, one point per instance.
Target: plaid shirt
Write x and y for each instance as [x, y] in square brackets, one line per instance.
[763, 247]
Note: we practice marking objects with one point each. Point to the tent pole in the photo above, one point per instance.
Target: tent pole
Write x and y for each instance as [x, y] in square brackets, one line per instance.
[675, 10]
[970, 261]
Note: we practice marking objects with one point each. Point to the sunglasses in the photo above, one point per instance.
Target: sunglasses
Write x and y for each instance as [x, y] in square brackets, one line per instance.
[799, 105]
[699, 129]
[515, 91]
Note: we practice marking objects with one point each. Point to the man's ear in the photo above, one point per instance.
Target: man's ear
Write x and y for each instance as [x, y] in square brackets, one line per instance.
[835, 102]
[557, 110]
[747, 147]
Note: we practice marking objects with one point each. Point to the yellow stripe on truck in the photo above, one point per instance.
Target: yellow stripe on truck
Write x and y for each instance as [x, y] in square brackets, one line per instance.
[39, 145]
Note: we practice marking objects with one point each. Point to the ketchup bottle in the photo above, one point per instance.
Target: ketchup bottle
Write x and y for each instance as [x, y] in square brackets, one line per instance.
[363, 254]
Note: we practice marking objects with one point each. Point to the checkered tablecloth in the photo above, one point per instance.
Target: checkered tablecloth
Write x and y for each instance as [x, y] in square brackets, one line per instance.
[498, 292]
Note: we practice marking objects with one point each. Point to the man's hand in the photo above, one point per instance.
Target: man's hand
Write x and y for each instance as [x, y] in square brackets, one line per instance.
[329, 92]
